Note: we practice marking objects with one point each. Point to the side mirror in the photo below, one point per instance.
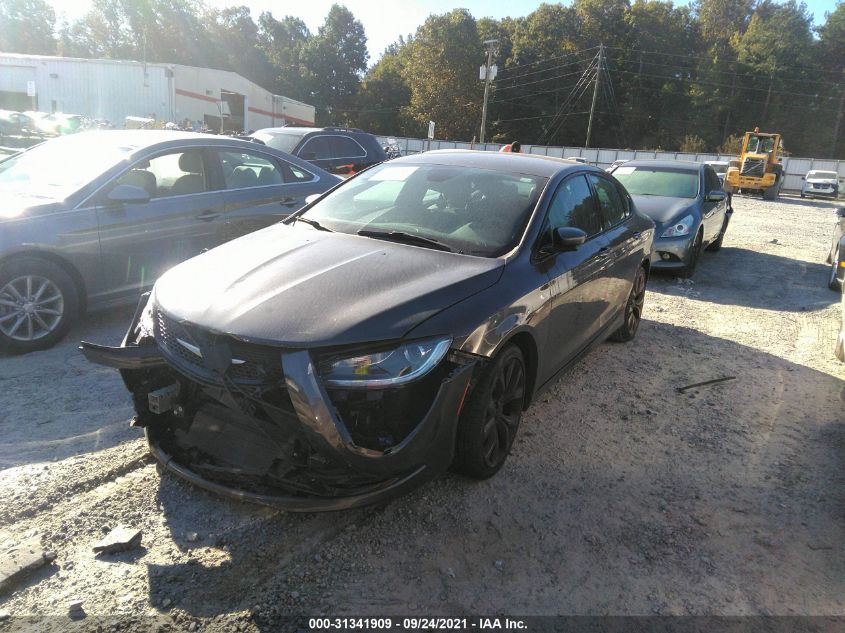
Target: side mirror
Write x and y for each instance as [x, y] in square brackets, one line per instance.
[129, 194]
[716, 196]
[568, 238]
[802, 177]
[839, 212]
[312, 198]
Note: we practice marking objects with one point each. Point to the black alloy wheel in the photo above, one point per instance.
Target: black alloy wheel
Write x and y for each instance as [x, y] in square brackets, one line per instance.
[491, 417]
[633, 310]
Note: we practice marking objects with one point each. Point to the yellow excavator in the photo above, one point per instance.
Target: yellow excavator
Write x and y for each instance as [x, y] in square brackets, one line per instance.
[758, 167]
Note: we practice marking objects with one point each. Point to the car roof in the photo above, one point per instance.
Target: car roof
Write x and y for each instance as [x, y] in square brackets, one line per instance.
[529, 164]
[665, 164]
[139, 140]
[302, 131]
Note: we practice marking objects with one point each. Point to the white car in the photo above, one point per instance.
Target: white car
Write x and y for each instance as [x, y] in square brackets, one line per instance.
[820, 183]
[720, 167]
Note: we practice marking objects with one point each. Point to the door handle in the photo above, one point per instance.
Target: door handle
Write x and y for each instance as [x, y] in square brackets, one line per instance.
[289, 201]
[207, 215]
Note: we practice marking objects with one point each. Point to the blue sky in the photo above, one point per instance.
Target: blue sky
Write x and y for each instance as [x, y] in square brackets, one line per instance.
[385, 20]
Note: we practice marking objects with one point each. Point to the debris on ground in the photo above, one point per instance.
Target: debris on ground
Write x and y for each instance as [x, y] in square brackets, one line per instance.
[192, 537]
[119, 539]
[21, 560]
[74, 606]
[705, 383]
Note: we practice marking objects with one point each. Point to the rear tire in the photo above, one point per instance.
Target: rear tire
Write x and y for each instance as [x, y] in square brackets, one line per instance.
[833, 281]
[489, 422]
[38, 304]
[633, 310]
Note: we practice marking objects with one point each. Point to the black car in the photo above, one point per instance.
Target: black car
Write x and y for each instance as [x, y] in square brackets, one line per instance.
[687, 203]
[92, 219]
[338, 150]
[399, 324]
[836, 256]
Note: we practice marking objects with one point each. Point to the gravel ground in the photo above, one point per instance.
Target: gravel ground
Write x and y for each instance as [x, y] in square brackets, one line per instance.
[621, 496]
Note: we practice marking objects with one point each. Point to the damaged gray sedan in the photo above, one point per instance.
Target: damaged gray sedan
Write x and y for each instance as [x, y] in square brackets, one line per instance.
[398, 325]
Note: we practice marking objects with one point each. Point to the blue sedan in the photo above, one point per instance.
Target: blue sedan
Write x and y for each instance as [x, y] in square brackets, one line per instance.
[688, 205]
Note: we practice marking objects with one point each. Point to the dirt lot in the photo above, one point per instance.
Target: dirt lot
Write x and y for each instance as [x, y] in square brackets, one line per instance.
[621, 496]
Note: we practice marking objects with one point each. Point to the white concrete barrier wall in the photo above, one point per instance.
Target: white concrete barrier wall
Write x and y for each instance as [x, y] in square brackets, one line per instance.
[794, 168]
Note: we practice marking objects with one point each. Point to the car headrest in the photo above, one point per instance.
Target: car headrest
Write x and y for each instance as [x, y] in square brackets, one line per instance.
[191, 162]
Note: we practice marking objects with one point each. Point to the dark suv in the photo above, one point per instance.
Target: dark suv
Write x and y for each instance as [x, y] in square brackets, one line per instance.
[335, 149]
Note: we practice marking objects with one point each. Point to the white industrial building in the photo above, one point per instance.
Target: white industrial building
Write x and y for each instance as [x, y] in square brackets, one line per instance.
[114, 89]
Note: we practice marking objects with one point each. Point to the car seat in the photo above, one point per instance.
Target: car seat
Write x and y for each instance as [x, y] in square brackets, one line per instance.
[194, 180]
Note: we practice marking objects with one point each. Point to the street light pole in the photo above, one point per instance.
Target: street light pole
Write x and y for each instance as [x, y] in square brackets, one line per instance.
[491, 49]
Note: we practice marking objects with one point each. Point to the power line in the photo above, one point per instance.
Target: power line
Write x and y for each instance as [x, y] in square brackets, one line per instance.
[542, 116]
[541, 70]
[722, 72]
[708, 83]
[704, 58]
[537, 81]
[562, 55]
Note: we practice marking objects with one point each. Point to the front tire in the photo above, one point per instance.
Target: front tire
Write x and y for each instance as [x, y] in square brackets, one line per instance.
[633, 310]
[489, 422]
[38, 304]
[694, 255]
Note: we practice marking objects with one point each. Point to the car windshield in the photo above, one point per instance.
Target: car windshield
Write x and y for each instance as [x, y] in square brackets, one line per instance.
[827, 175]
[61, 166]
[469, 210]
[279, 140]
[658, 181]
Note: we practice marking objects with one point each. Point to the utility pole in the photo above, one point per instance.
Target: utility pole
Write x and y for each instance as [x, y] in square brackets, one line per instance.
[768, 97]
[595, 94]
[730, 106]
[491, 50]
[838, 124]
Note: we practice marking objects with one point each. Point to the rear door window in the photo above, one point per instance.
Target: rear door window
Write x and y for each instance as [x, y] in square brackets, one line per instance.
[610, 201]
[711, 180]
[242, 170]
[345, 147]
[573, 206]
[316, 148]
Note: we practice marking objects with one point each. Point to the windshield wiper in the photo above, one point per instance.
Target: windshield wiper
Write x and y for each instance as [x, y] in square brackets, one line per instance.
[313, 223]
[408, 238]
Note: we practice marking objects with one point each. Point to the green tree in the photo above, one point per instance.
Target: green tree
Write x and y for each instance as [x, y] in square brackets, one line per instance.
[442, 73]
[384, 96]
[26, 26]
[283, 42]
[334, 61]
[231, 37]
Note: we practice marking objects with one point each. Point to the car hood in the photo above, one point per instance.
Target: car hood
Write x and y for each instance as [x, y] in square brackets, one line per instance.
[14, 204]
[294, 286]
[663, 209]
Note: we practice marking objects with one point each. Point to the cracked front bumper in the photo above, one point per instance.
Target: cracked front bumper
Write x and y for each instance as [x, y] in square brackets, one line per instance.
[303, 457]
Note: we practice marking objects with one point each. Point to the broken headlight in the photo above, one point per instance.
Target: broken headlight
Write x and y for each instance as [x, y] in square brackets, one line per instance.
[388, 368]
